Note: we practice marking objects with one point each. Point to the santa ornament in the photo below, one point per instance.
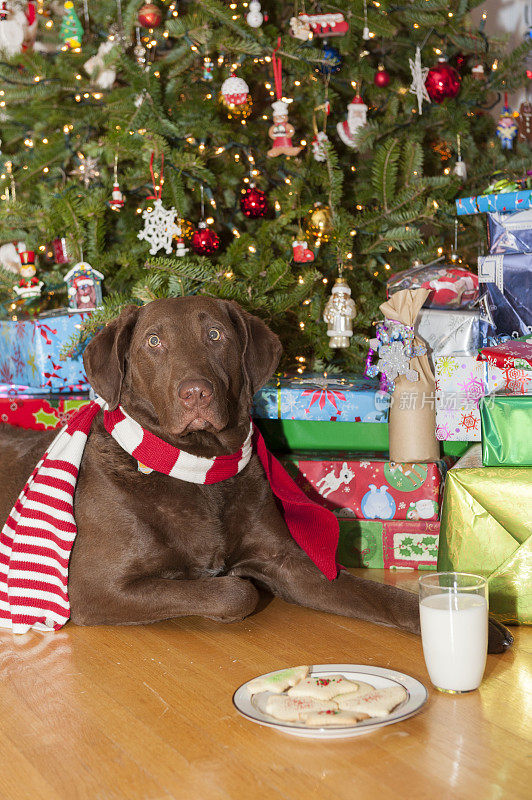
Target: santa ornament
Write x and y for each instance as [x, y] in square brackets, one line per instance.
[235, 97]
[356, 118]
[29, 286]
[281, 131]
[101, 75]
[18, 27]
[339, 313]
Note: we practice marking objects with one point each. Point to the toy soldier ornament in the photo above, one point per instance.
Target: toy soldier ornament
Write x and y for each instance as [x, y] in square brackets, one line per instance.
[29, 285]
[339, 313]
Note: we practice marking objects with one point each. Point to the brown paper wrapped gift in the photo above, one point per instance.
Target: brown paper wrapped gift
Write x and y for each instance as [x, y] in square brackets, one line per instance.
[412, 423]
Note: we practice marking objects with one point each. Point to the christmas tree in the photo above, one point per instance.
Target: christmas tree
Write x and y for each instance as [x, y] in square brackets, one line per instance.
[232, 122]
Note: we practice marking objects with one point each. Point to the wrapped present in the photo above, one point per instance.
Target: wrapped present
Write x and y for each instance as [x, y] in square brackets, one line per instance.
[510, 233]
[504, 202]
[30, 349]
[397, 544]
[506, 297]
[318, 397]
[506, 423]
[449, 286]
[461, 381]
[453, 332]
[369, 487]
[39, 413]
[486, 522]
[513, 354]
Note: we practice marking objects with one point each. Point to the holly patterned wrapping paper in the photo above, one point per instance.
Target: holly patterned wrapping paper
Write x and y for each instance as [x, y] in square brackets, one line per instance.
[316, 397]
[39, 412]
[29, 353]
[397, 544]
[461, 381]
[370, 488]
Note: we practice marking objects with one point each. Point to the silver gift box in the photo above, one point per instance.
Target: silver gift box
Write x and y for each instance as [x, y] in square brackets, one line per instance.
[446, 333]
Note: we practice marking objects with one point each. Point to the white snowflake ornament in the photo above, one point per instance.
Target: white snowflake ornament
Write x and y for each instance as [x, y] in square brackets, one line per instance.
[159, 228]
[419, 76]
[393, 362]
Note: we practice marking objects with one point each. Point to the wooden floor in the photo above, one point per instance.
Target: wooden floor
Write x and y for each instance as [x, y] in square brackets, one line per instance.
[146, 712]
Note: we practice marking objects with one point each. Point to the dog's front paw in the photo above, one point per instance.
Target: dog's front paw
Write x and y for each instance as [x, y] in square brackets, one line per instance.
[499, 637]
[234, 600]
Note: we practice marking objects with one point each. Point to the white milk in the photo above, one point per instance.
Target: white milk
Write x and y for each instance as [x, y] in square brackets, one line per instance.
[454, 630]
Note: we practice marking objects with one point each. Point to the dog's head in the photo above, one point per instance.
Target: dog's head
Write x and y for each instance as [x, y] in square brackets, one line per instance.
[186, 367]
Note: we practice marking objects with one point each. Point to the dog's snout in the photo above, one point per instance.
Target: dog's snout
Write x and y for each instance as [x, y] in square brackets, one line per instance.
[197, 392]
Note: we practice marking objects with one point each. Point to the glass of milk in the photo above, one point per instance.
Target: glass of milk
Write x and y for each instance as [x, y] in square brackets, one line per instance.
[453, 607]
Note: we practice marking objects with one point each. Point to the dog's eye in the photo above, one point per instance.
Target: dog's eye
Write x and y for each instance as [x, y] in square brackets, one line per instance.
[154, 341]
[214, 334]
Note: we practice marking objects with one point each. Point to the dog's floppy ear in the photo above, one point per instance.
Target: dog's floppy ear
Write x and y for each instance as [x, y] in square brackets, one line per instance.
[105, 355]
[261, 348]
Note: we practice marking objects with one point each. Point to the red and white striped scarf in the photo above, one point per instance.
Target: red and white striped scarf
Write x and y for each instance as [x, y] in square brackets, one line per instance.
[37, 538]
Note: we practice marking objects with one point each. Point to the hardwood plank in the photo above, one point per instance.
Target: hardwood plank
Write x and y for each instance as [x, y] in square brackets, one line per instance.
[146, 713]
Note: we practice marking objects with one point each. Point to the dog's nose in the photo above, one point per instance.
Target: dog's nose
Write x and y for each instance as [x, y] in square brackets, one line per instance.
[197, 392]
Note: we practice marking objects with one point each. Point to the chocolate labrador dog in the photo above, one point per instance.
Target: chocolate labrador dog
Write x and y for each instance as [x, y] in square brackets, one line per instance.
[152, 547]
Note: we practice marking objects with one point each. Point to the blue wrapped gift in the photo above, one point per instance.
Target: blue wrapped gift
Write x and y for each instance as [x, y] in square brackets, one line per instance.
[503, 202]
[510, 233]
[317, 397]
[30, 348]
[505, 282]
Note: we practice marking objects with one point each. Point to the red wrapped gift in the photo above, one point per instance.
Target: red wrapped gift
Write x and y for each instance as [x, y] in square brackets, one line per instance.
[371, 488]
[40, 412]
[513, 354]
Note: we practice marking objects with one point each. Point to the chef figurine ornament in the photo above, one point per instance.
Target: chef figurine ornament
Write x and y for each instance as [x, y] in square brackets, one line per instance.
[84, 287]
[281, 131]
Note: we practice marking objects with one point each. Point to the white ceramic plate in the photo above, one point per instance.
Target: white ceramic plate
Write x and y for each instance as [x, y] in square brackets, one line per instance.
[375, 676]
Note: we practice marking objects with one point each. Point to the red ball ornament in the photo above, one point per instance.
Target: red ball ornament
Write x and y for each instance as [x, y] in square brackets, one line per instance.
[443, 82]
[150, 16]
[204, 240]
[382, 78]
[254, 203]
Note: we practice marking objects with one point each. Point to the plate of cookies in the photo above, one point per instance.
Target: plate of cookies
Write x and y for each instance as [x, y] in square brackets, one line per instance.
[330, 701]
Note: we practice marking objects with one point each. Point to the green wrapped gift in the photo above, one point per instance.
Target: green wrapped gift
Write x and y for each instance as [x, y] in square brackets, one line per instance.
[388, 544]
[486, 522]
[506, 423]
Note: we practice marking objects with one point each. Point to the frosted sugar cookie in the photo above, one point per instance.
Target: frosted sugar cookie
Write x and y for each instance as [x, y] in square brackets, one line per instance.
[362, 688]
[378, 703]
[325, 719]
[277, 682]
[292, 709]
[323, 688]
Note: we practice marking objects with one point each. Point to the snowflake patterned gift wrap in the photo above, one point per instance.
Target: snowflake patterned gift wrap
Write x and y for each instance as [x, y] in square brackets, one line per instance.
[30, 349]
[512, 354]
[38, 412]
[506, 297]
[396, 544]
[461, 381]
[486, 527]
[342, 398]
[365, 487]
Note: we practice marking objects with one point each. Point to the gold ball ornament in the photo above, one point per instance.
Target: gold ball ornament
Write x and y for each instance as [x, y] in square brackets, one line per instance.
[187, 229]
[318, 223]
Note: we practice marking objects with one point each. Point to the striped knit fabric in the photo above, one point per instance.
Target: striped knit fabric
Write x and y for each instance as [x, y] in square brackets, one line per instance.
[37, 538]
